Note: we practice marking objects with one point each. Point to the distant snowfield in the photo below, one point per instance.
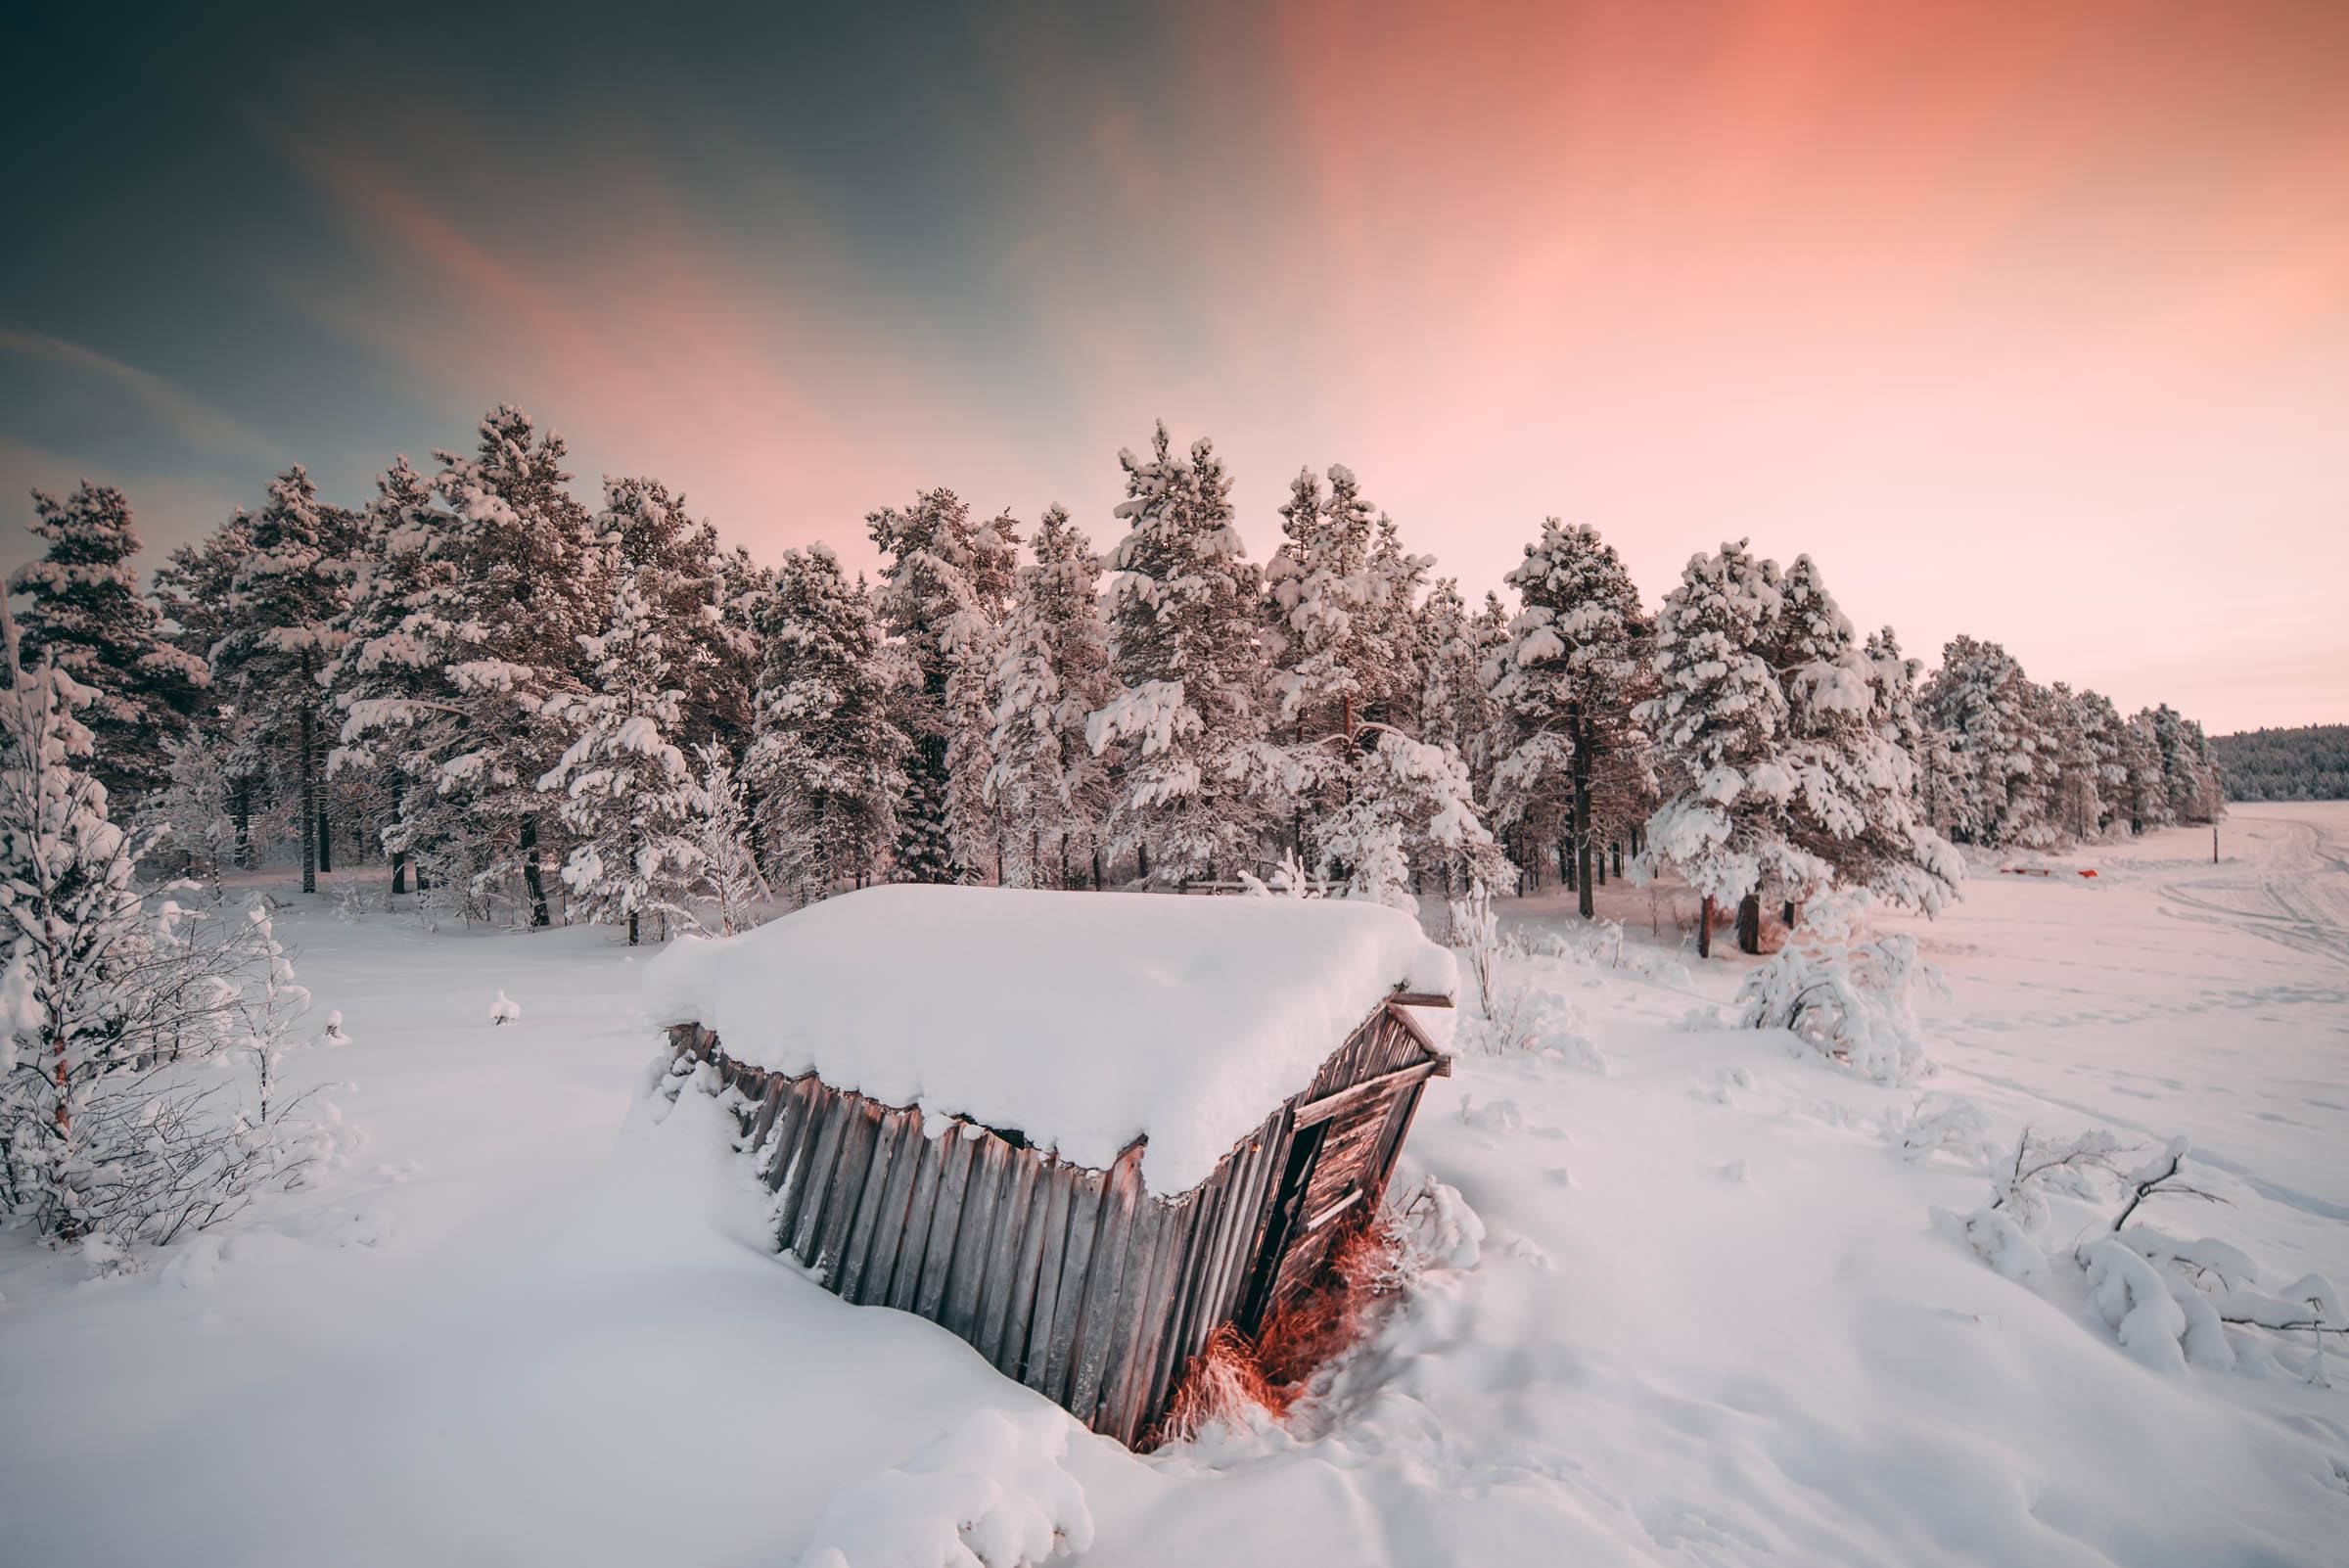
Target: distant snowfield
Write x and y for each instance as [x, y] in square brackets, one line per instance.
[526, 1317]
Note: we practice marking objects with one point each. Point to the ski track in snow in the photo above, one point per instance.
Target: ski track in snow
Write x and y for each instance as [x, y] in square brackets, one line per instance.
[1711, 1322]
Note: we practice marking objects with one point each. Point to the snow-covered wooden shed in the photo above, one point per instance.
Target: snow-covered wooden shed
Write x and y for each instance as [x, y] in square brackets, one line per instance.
[1081, 1131]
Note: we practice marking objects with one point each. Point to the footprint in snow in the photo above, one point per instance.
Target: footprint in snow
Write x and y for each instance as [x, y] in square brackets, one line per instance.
[1738, 1171]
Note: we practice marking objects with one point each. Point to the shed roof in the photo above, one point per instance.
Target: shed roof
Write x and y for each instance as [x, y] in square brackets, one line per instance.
[1082, 1020]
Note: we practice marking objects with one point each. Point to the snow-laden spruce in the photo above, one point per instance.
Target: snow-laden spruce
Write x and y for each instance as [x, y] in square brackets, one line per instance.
[1083, 1020]
[287, 601]
[825, 767]
[1184, 731]
[1853, 804]
[1570, 681]
[84, 613]
[1719, 720]
[944, 582]
[1051, 673]
[626, 793]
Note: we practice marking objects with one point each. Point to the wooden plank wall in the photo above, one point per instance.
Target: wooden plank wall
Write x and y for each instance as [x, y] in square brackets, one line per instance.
[1077, 1282]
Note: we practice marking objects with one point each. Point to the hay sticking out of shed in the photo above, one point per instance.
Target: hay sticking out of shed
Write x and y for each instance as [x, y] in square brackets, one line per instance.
[1242, 1383]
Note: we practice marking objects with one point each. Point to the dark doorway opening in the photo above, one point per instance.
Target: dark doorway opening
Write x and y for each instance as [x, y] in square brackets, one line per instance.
[1305, 1152]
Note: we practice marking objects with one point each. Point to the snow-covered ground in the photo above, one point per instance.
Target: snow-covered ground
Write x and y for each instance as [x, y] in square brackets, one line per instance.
[1712, 1318]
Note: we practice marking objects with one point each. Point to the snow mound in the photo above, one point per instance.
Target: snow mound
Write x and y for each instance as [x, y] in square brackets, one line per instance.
[989, 1494]
[1083, 1020]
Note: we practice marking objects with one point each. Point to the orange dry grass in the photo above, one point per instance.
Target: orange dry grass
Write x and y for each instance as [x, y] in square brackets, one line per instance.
[1237, 1381]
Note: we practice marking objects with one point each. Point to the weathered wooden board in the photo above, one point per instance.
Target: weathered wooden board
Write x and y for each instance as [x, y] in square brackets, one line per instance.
[1003, 1269]
[1115, 1245]
[930, 1164]
[1075, 1262]
[945, 1219]
[973, 1238]
[1060, 1187]
[845, 1187]
[856, 1261]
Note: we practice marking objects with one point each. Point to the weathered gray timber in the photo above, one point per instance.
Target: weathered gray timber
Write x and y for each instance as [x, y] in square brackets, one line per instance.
[1081, 1283]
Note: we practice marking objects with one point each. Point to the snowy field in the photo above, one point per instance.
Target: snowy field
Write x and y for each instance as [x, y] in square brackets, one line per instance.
[1710, 1318]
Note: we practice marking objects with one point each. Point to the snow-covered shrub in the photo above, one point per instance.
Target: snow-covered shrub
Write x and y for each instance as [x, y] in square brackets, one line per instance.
[1600, 945]
[2047, 1167]
[723, 884]
[1845, 990]
[1476, 932]
[102, 1000]
[1959, 1127]
[2169, 1301]
[187, 820]
[1438, 1228]
[992, 1492]
[1289, 880]
[2135, 1305]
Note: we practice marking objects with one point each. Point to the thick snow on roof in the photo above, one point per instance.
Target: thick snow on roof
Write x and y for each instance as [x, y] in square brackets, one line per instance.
[1083, 1020]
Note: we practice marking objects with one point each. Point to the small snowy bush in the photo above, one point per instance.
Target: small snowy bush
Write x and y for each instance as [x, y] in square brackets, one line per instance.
[1476, 932]
[2168, 1300]
[1844, 990]
[105, 1004]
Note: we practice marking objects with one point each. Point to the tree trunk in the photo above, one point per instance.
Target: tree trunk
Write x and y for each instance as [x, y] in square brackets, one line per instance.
[1097, 869]
[399, 870]
[1790, 915]
[243, 797]
[307, 807]
[1142, 856]
[531, 878]
[1704, 927]
[326, 835]
[1618, 856]
[1579, 769]
[1565, 867]
[1749, 923]
[1582, 848]
[631, 928]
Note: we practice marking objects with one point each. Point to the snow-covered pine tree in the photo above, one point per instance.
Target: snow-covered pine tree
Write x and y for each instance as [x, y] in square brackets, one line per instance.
[975, 825]
[516, 576]
[1569, 683]
[1853, 806]
[944, 583]
[1394, 634]
[2074, 802]
[1455, 707]
[84, 612]
[1324, 670]
[2189, 784]
[1184, 646]
[826, 763]
[385, 678]
[1051, 675]
[192, 587]
[1409, 808]
[686, 579]
[1979, 700]
[2145, 791]
[2104, 734]
[283, 624]
[626, 793]
[1718, 721]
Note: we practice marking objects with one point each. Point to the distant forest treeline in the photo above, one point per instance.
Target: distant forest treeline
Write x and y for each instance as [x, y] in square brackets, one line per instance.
[2308, 763]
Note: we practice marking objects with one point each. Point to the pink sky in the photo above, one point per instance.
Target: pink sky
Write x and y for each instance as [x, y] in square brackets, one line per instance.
[2028, 321]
